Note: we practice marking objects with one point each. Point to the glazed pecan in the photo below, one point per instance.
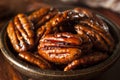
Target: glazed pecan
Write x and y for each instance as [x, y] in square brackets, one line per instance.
[38, 14]
[60, 47]
[21, 33]
[93, 36]
[34, 59]
[99, 36]
[86, 60]
[42, 15]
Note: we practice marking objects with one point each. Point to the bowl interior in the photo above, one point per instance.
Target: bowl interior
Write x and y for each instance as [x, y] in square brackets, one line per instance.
[24, 67]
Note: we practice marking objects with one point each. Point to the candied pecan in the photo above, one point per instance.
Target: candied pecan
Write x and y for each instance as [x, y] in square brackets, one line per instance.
[42, 15]
[37, 60]
[90, 59]
[21, 33]
[96, 25]
[95, 38]
[48, 26]
[47, 17]
[38, 14]
[60, 47]
[102, 39]
[91, 19]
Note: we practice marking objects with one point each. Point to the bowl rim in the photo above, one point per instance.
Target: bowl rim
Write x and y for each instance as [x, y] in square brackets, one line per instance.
[37, 71]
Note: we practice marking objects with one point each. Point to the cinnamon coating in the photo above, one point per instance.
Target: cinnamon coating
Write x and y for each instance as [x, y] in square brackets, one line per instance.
[21, 33]
[75, 38]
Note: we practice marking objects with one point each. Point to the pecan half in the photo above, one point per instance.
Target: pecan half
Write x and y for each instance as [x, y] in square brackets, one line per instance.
[38, 14]
[42, 15]
[100, 38]
[21, 33]
[60, 47]
[34, 59]
[87, 60]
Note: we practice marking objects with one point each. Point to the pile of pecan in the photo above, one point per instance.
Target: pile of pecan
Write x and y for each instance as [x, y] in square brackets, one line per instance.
[67, 40]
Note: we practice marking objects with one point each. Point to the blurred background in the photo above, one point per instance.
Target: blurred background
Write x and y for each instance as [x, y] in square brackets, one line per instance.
[11, 7]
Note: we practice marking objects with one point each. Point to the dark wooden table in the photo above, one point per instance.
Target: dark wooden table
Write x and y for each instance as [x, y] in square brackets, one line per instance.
[7, 72]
